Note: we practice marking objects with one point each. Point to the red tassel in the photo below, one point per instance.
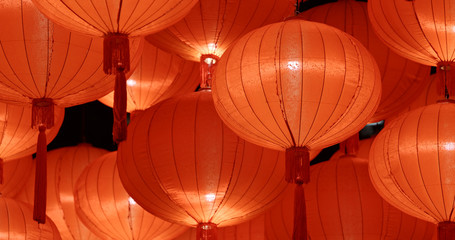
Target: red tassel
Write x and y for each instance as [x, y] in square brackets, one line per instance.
[300, 224]
[116, 53]
[297, 165]
[446, 230]
[120, 124]
[206, 231]
[446, 76]
[42, 112]
[39, 210]
[1, 170]
[208, 63]
[351, 145]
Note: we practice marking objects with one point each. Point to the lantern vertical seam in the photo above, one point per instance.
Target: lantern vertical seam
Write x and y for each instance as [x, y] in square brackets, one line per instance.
[317, 171]
[359, 196]
[48, 75]
[79, 17]
[340, 218]
[439, 164]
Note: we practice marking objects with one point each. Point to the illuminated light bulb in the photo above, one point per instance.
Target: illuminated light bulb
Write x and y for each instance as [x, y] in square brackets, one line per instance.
[210, 197]
[131, 82]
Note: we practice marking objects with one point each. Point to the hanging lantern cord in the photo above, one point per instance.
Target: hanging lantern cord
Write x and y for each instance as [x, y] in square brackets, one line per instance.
[446, 77]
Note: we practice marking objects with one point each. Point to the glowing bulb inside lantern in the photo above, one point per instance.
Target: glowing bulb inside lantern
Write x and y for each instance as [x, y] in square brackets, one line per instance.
[131, 201]
[210, 61]
[211, 47]
[293, 65]
[210, 197]
[449, 146]
[130, 82]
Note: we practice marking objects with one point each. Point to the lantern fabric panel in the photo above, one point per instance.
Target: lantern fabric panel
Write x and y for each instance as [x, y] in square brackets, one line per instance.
[103, 204]
[410, 162]
[18, 139]
[273, 90]
[40, 59]
[420, 31]
[158, 76]
[15, 174]
[197, 171]
[131, 17]
[17, 223]
[402, 79]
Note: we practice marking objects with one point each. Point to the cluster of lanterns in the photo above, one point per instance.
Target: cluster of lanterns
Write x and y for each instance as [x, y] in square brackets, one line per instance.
[273, 89]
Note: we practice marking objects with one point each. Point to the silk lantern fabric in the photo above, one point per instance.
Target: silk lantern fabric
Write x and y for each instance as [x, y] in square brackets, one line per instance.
[158, 76]
[17, 138]
[17, 223]
[411, 164]
[343, 204]
[64, 167]
[182, 164]
[104, 206]
[213, 25]
[15, 174]
[402, 79]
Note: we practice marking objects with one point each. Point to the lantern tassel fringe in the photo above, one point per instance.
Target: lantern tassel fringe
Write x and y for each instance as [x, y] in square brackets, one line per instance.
[42, 112]
[297, 165]
[1, 170]
[119, 130]
[446, 230]
[39, 208]
[300, 222]
[206, 231]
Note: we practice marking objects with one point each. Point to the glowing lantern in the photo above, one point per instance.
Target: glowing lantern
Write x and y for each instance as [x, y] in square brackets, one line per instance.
[182, 164]
[213, 25]
[159, 75]
[295, 86]
[402, 79]
[343, 204]
[16, 222]
[422, 31]
[15, 174]
[64, 167]
[104, 206]
[116, 21]
[43, 64]
[411, 165]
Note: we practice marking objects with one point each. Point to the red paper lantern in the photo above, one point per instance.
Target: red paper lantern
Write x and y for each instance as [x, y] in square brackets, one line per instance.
[64, 167]
[421, 31]
[402, 79]
[182, 164]
[104, 206]
[411, 164]
[295, 86]
[342, 204]
[158, 76]
[116, 21]
[15, 174]
[43, 64]
[16, 222]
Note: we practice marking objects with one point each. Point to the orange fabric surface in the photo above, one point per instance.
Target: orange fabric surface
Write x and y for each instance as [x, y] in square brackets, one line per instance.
[402, 79]
[296, 83]
[104, 206]
[15, 175]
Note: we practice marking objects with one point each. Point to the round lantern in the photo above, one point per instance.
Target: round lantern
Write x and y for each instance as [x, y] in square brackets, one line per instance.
[402, 79]
[116, 21]
[182, 164]
[15, 174]
[64, 167]
[342, 204]
[158, 76]
[213, 25]
[16, 222]
[104, 206]
[43, 64]
[421, 31]
[411, 164]
[295, 86]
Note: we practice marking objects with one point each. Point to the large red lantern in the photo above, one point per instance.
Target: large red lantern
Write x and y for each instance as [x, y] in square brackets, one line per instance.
[295, 86]
[43, 64]
[420, 30]
[411, 165]
[182, 164]
[402, 79]
[104, 206]
[213, 25]
[16, 222]
[158, 76]
[343, 204]
[116, 21]
[64, 167]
